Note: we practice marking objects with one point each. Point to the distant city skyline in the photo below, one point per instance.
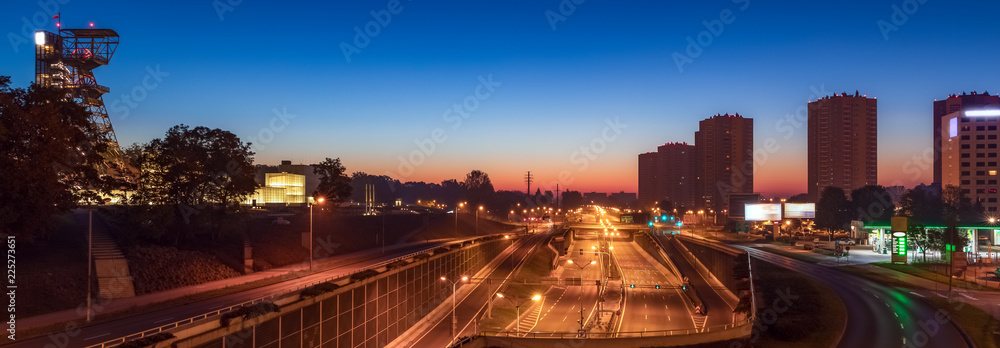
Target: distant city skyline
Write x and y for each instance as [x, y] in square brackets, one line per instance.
[573, 98]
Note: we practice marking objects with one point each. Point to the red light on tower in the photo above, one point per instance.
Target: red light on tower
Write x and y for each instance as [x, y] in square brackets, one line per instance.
[58, 25]
[91, 25]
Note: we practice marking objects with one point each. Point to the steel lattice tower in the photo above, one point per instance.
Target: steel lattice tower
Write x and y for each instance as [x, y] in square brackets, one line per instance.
[67, 60]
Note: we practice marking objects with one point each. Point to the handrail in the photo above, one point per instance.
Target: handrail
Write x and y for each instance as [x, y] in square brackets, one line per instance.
[614, 335]
[173, 325]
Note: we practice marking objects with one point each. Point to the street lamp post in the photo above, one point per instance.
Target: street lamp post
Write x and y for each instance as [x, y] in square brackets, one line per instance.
[581, 286]
[456, 216]
[517, 310]
[454, 319]
[318, 200]
[477, 219]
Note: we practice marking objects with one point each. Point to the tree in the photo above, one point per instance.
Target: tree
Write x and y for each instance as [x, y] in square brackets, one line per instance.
[957, 207]
[571, 200]
[478, 188]
[872, 203]
[832, 209]
[918, 236]
[334, 184]
[923, 204]
[799, 198]
[52, 159]
[195, 170]
[666, 206]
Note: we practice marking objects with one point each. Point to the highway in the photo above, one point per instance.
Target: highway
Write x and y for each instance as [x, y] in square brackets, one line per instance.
[877, 315]
[560, 310]
[126, 324]
[648, 308]
[471, 306]
[719, 311]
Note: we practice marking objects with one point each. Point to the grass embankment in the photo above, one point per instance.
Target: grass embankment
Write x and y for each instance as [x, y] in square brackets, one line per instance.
[923, 270]
[52, 271]
[814, 318]
[980, 326]
[801, 256]
[504, 311]
[281, 245]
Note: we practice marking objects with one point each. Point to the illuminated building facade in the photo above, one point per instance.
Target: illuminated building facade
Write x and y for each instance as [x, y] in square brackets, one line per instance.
[969, 155]
[280, 189]
[956, 103]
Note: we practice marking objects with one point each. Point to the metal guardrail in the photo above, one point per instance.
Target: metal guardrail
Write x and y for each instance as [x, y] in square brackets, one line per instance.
[614, 335]
[121, 340]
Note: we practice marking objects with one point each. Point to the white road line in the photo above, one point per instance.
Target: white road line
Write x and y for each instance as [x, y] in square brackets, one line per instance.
[162, 320]
[969, 297]
[90, 338]
[917, 294]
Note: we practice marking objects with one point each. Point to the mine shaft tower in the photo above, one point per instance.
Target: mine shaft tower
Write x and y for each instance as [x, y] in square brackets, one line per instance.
[67, 60]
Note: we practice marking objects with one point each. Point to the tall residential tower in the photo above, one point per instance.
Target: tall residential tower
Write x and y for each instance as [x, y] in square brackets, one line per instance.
[843, 143]
[724, 158]
[956, 103]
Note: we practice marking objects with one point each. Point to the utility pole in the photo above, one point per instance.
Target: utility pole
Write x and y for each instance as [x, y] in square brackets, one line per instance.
[557, 197]
[527, 180]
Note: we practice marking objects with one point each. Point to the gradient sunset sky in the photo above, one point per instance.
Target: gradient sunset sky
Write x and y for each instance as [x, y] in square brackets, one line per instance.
[555, 91]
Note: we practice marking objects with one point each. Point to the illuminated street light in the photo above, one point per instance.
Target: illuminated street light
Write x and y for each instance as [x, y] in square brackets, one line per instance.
[318, 200]
[454, 319]
[517, 308]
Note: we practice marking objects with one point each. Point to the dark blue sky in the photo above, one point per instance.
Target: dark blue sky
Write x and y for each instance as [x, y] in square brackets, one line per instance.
[558, 89]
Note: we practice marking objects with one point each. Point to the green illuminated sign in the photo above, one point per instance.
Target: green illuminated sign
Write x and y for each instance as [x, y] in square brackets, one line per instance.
[900, 245]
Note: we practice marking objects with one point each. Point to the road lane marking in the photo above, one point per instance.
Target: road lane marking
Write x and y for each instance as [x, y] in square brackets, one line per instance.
[90, 338]
[162, 320]
[969, 297]
[917, 294]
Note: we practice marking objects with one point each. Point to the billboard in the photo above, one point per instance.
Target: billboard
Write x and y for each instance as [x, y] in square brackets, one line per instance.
[800, 210]
[763, 212]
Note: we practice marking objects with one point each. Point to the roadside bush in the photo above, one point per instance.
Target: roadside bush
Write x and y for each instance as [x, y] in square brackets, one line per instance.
[397, 264]
[147, 341]
[249, 312]
[318, 289]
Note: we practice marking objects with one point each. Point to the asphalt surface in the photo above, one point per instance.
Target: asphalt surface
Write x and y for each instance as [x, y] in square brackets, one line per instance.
[648, 308]
[560, 311]
[472, 306]
[719, 311]
[877, 315]
[126, 325]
